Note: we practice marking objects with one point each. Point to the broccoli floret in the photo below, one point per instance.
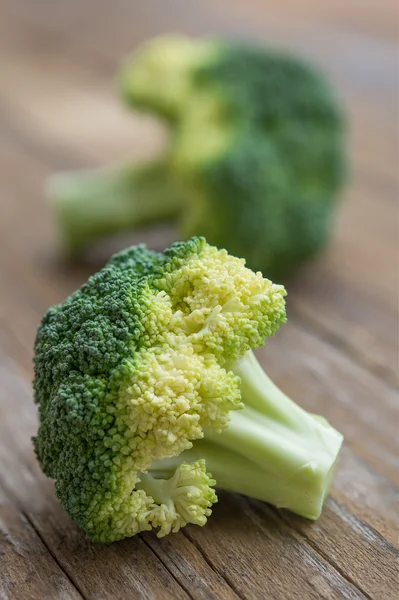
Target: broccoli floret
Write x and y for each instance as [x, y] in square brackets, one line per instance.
[150, 362]
[254, 162]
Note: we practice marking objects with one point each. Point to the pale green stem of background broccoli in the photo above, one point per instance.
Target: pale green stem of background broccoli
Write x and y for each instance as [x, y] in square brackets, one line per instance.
[272, 450]
[92, 204]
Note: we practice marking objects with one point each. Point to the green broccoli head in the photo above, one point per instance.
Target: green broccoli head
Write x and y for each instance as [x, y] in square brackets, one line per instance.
[254, 162]
[258, 145]
[131, 369]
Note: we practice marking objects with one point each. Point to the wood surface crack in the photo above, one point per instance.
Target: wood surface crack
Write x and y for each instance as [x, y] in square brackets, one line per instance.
[318, 550]
[335, 566]
[351, 352]
[206, 558]
[342, 350]
[53, 555]
[179, 583]
[368, 529]
[255, 506]
[25, 515]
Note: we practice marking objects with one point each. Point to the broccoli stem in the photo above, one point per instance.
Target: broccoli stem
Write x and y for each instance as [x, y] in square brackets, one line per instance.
[161, 490]
[91, 204]
[272, 450]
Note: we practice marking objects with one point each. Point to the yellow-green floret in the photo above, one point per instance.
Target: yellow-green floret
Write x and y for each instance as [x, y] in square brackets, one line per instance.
[131, 369]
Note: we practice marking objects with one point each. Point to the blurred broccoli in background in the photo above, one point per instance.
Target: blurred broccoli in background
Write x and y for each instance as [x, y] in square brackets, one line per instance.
[254, 161]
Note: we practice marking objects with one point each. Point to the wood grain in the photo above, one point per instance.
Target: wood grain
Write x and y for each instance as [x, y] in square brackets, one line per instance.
[201, 573]
[353, 548]
[249, 550]
[300, 374]
[332, 285]
[338, 354]
[27, 568]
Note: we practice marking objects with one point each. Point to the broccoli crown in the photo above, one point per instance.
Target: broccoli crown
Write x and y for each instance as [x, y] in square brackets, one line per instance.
[131, 368]
[257, 144]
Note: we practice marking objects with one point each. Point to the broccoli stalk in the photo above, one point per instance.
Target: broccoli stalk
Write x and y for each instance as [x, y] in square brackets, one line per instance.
[97, 203]
[272, 449]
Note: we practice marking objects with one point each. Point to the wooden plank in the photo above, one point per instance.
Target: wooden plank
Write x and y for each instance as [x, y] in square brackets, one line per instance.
[307, 368]
[27, 568]
[55, 55]
[371, 19]
[300, 363]
[283, 360]
[69, 127]
[350, 294]
[253, 548]
[56, 65]
[27, 271]
[304, 367]
[351, 382]
[334, 284]
[366, 494]
[353, 548]
[59, 60]
[251, 560]
[188, 564]
[341, 284]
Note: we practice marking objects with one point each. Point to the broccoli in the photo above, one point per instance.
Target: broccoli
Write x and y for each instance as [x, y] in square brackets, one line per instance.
[145, 379]
[254, 162]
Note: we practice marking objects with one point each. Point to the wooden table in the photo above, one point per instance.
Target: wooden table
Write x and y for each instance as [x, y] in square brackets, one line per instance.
[337, 355]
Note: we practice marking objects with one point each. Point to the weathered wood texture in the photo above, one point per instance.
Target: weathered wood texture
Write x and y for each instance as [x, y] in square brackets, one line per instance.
[338, 355]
